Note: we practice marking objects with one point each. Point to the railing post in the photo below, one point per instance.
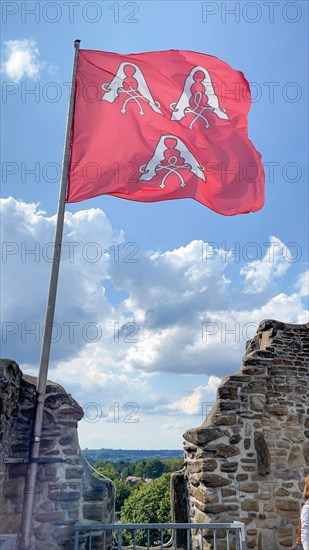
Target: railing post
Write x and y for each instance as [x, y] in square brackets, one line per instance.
[238, 539]
[188, 539]
[243, 537]
[236, 529]
[76, 539]
[119, 546]
[215, 540]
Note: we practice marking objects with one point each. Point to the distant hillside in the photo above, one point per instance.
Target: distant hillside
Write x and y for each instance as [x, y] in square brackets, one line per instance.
[115, 455]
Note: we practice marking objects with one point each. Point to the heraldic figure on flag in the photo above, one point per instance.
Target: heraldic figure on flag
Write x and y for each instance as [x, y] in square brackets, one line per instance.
[131, 83]
[198, 97]
[164, 125]
[173, 160]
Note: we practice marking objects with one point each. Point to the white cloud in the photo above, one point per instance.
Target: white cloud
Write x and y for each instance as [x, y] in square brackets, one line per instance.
[259, 274]
[193, 404]
[302, 284]
[186, 318]
[103, 389]
[23, 60]
[175, 308]
[175, 287]
[82, 308]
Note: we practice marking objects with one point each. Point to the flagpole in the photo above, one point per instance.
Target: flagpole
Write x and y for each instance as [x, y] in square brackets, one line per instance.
[29, 492]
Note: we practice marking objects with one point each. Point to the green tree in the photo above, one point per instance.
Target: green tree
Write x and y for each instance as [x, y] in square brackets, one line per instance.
[152, 468]
[127, 470]
[148, 503]
[172, 464]
[107, 469]
[123, 491]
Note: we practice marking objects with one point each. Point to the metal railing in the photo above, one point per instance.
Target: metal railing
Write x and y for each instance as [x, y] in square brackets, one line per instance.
[8, 542]
[180, 536]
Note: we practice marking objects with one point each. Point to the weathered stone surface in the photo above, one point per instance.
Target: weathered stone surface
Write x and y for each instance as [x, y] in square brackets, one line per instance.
[249, 487]
[305, 450]
[228, 405]
[68, 440]
[47, 506]
[262, 453]
[51, 517]
[213, 480]
[250, 506]
[282, 492]
[209, 465]
[63, 535]
[224, 419]
[56, 400]
[228, 392]
[201, 436]
[285, 532]
[201, 517]
[8, 522]
[296, 435]
[62, 492]
[287, 543]
[69, 415]
[268, 507]
[11, 489]
[58, 501]
[47, 472]
[73, 473]
[288, 515]
[288, 505]
[229, 466]
[296, 457]
[218, 508]
[202, 495]
[43, 531]
[288, 473]
[223, 451]
[94, 490]
[263, 413]
[257, 402]
[234, 439]
[93, 512]
[228, 492]
[202, 466]
[279, 410]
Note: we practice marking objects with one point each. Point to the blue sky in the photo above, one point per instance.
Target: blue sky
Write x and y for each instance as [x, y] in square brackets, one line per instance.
[156, 301]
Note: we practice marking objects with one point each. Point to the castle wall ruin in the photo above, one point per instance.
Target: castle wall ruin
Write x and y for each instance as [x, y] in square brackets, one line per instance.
[248, 460]
[66, 492]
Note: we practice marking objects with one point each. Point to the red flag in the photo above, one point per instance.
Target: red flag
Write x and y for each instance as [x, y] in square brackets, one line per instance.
[163, 125]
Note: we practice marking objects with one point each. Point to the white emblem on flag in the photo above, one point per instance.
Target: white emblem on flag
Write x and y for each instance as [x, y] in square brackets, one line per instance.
[171, 156]
[198, 97]
[130, 83]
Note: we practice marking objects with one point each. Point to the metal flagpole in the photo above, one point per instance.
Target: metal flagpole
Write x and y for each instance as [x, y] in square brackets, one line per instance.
[25, 531]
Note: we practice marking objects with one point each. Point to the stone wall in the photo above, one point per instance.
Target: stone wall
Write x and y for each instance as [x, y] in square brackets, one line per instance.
[248, 460]
[66, 492]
